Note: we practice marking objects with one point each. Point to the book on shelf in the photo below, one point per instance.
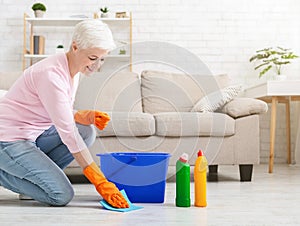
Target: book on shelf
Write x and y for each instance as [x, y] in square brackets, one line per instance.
[37, 45]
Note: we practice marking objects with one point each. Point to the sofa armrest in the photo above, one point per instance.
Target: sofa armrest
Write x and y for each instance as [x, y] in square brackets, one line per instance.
[243, 106]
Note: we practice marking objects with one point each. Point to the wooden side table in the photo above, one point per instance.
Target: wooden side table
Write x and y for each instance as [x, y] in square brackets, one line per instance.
[277, 92]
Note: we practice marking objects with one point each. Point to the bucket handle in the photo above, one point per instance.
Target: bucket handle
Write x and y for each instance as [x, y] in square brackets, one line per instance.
[132, 159]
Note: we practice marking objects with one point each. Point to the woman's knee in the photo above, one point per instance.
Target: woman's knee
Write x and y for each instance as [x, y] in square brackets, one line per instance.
[88, 134]
[62, 197]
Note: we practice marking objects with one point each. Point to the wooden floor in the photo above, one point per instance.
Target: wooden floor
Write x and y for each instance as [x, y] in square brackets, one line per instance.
[270, 199]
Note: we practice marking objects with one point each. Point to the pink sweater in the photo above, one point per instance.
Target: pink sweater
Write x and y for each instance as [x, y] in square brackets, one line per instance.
[41, 97]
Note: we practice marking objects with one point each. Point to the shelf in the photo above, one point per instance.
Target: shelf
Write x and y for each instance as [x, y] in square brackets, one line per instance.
[36, 56]
[71, 21]
[117, 56]
[116, 24]
[39, 56]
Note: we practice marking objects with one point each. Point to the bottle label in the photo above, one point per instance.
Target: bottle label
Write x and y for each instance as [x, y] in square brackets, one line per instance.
[203, 165]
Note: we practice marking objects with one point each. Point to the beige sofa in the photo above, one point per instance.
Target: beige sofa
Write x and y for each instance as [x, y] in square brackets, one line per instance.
[151, 112]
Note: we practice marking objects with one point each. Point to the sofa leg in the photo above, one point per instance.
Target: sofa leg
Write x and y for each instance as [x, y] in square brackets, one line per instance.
[212, 173]
[246, 172]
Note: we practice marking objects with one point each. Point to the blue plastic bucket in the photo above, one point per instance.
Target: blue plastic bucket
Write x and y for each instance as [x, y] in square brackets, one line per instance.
[141, 175]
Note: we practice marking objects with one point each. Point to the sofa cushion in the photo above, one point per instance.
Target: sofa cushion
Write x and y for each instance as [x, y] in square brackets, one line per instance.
[129, 124]
[169, 92]
[109, 92]
[176, 124]
[243, 106]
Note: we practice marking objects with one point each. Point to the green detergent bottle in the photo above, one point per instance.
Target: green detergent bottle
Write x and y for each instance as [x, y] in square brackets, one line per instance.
[183, 182]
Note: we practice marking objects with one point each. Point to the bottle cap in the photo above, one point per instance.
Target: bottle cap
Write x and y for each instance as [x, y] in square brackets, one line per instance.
[200, 153]
[184, 157]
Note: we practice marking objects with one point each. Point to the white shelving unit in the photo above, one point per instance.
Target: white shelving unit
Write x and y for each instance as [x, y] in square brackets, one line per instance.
[41, 56]
[49, 23]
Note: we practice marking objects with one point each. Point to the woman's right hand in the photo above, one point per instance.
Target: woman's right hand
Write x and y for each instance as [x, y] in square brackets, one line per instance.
[106, 189]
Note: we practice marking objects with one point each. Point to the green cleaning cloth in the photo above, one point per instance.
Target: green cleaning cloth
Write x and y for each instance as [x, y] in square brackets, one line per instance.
[131, 206]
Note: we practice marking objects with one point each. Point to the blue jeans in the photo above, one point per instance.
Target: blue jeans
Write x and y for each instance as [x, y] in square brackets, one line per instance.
[36, 168]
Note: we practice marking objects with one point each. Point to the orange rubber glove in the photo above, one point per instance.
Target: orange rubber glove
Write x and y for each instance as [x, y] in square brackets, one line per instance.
[106, 189]
[88, 117]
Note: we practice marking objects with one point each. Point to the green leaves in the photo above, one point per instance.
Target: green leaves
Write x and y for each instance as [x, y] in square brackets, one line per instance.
[265, 70]
[104, 9]
[272, 57]
[38, 6]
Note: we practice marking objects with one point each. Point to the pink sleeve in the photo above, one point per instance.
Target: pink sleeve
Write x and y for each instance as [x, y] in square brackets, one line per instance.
[52, 90]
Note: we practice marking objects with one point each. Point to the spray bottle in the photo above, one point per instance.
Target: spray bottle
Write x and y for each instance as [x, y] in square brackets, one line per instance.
[200, 180]
[183, 182]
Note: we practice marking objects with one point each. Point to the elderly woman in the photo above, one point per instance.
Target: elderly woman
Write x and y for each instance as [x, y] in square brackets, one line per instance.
[40, 133]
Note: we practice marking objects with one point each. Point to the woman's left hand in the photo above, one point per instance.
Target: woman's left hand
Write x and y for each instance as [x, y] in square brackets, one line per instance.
[87, 117]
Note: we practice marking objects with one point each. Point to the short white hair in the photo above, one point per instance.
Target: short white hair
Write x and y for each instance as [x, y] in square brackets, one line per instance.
[93, 33]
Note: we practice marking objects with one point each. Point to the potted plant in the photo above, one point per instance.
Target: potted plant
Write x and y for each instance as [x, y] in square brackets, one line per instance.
[272, 58]
[39, 9]
[104, 12]
[122, 51]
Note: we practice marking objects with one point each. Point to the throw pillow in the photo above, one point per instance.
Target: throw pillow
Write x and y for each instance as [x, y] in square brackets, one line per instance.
[217, 99]
[240, 107]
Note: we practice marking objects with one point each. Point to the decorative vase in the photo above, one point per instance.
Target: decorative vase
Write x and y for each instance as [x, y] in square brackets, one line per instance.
[104, 15]
[59, 50]
[280, 77]
[39, 13]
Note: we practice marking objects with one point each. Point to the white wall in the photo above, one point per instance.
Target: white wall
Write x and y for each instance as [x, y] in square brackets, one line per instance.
[223, 34]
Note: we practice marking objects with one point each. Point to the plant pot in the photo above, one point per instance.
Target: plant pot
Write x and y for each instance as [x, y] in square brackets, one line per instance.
[59, 50]
[104, 15]
[280, 77]
[39, 13]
